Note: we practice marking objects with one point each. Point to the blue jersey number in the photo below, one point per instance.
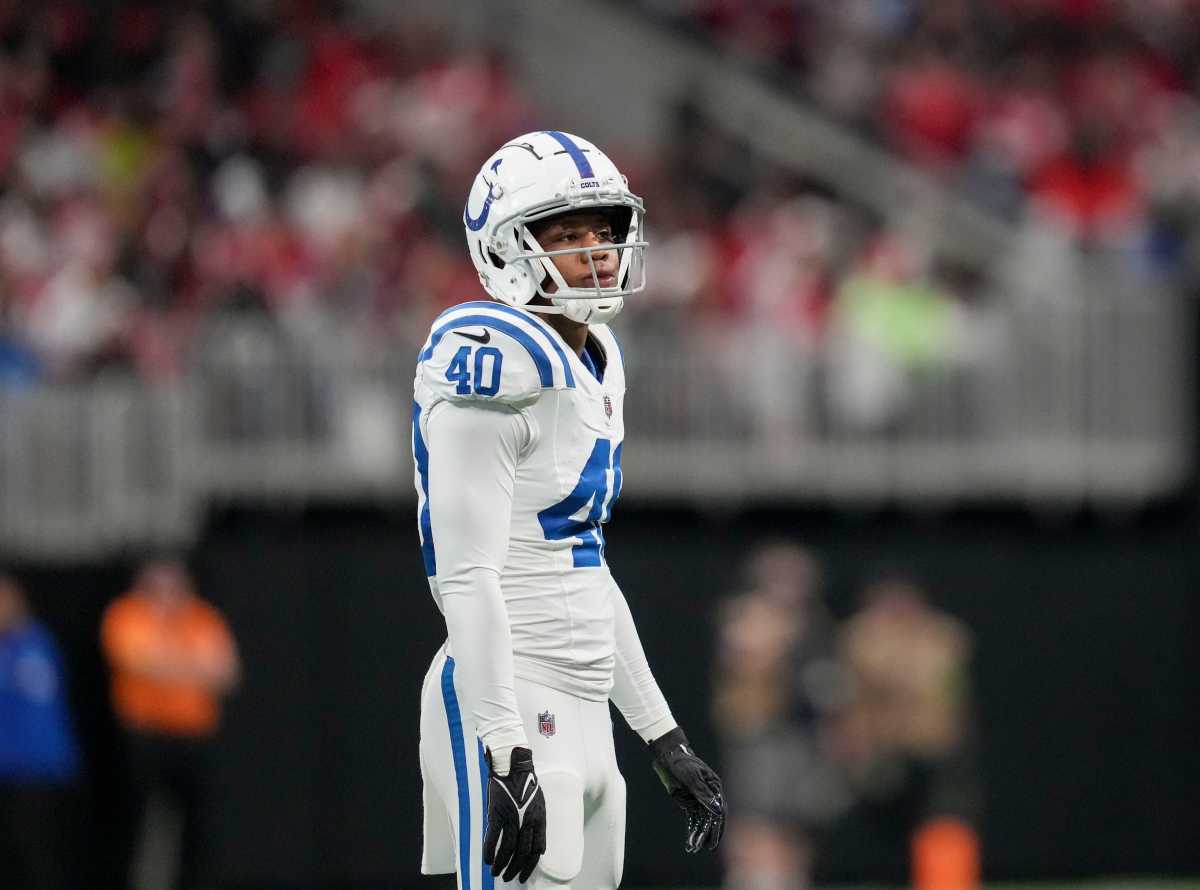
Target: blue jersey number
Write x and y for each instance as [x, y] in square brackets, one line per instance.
[458, 371]
[592, 493]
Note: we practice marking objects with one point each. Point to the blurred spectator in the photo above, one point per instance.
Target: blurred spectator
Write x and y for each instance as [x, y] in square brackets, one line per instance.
[777, 684]
[782, 280]
[929, 107]
[38, 754]
[172, 659]
[81, 312]
[19, 366]
[890, 321]
[905, 740]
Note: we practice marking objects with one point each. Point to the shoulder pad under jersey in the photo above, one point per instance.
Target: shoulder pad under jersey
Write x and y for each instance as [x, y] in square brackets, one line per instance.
[492, 352]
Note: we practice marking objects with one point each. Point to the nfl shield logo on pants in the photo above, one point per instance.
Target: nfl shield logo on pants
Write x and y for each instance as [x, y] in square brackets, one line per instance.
[546, 723]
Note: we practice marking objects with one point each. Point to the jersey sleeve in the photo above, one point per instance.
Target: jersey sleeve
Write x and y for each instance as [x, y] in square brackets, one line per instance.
[635, 692]
[472, 466]
[485, 360]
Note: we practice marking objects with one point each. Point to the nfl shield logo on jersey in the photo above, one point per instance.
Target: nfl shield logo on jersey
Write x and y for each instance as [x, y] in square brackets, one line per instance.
[546, 723]
[607, 406]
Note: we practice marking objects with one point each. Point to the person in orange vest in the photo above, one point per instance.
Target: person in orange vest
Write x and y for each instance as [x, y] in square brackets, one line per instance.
[172, 659]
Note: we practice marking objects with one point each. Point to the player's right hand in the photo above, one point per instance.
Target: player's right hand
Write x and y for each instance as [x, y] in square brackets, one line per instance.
[516, 810]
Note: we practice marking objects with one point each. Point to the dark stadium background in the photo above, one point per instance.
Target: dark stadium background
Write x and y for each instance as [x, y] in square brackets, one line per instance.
[1087, 682]
[1080, 588]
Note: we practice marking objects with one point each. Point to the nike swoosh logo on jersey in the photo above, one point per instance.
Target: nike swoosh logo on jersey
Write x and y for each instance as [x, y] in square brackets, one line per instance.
[478, 338]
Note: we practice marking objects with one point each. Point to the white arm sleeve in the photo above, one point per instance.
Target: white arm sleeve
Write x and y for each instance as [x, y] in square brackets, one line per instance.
[473, 455]
[635, 691]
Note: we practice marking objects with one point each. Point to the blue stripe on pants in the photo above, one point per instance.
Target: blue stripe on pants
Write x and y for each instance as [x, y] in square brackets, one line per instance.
[459, 749]
[488, 882]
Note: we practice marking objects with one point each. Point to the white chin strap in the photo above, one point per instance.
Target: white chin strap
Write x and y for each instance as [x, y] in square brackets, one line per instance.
[592, 311]
[582, 311]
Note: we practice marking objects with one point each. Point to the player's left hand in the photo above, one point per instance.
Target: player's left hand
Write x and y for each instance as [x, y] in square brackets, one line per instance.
[695, 786]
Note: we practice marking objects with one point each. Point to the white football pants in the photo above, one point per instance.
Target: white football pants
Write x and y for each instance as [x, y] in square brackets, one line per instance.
[573, 756]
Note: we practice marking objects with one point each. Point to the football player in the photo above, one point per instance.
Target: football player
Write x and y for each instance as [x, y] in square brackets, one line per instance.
[517, 432]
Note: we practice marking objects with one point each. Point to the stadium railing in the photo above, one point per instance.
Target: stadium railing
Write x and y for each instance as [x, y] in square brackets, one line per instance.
[1079, 400]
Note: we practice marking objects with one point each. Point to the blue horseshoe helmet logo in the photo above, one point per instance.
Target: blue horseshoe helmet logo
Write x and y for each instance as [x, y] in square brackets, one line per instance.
[477, 223]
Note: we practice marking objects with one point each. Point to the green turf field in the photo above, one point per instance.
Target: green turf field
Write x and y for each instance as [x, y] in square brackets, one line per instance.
[1104, 884]
[1107, 884]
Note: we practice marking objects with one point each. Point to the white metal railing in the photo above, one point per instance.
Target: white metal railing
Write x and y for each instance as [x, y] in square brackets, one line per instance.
[1082, 399]
[86, 469]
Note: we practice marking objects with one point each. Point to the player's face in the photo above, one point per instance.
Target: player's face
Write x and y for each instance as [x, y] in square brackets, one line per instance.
[583, 229]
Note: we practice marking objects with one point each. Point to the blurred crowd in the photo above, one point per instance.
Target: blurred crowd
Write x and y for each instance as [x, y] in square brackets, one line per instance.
[291, 161]
[856, 734]
[164, 163]
[301, 168]
[1082, 110]
[1075, 121]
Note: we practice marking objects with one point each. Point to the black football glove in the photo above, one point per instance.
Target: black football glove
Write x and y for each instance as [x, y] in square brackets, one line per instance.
[694, 786]
[516, 812]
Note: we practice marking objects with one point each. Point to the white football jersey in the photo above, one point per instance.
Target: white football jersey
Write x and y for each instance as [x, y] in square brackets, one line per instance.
[555, 580]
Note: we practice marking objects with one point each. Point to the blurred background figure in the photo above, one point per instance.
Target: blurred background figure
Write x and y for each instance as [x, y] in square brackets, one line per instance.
[891, 326]
[777, 685]
[38, 755]
[905, 738]
[172, 659]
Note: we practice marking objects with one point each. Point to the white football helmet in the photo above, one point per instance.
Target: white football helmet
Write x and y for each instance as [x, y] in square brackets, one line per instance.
[532, 178]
